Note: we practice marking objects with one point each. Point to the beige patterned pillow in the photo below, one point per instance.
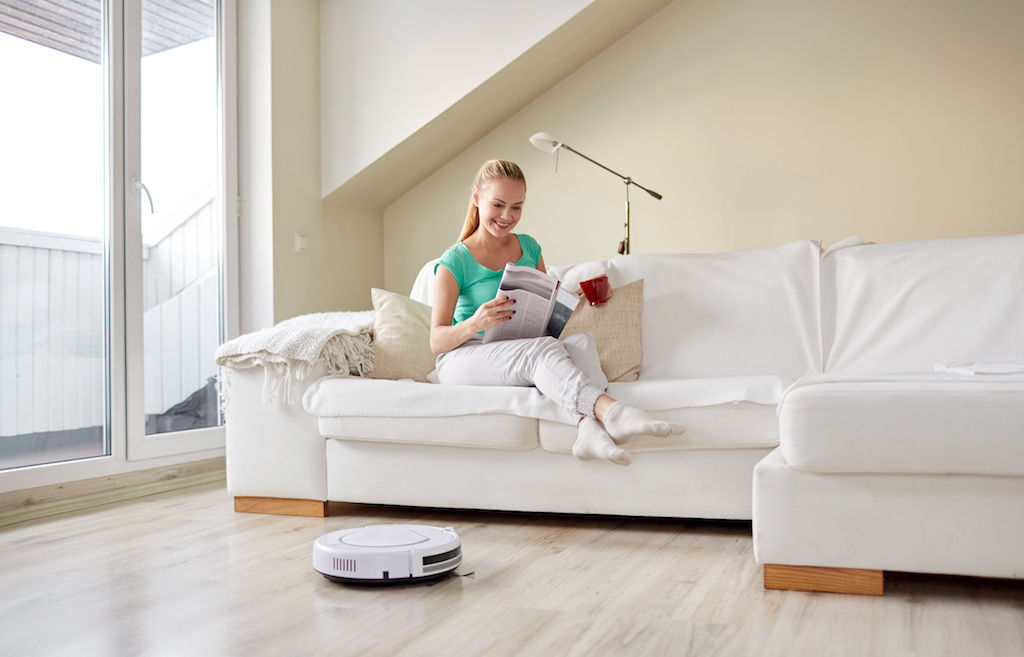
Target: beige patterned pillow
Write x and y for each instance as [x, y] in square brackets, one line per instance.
[401, 337]
[615, 326]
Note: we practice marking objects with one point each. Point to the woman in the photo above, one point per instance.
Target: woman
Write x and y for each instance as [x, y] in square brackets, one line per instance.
[465, 304]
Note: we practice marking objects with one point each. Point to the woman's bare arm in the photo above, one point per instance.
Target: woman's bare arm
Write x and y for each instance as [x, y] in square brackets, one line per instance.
[443, 335]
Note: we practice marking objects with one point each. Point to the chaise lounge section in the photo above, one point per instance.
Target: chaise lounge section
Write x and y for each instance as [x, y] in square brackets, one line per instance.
[885, 463]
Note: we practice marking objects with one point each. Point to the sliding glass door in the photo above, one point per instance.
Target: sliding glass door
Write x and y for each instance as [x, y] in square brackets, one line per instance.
[113, 232]
[53, 235]
[179, 220]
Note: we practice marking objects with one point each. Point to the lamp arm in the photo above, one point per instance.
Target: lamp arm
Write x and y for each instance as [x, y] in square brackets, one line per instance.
[625, 179]
[649, 191]
[592, 160]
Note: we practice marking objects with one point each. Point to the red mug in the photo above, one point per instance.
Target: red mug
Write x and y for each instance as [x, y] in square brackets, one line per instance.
[596, 289]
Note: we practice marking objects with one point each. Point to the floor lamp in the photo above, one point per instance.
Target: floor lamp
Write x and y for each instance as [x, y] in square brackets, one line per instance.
[549, 143]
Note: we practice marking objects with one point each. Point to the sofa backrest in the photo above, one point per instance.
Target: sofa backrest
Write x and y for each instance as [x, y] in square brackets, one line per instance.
[907, 306]
[737, 313]
[423, 287]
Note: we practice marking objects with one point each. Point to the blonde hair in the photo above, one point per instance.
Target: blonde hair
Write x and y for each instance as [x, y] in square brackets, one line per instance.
[489, 171]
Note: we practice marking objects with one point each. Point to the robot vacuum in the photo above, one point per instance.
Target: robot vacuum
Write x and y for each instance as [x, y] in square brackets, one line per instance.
[387, 554]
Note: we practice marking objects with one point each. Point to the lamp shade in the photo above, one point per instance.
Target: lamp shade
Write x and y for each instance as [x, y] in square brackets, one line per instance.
[545, 141]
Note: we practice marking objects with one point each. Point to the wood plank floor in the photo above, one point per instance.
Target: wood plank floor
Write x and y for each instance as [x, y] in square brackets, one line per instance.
[181, 573]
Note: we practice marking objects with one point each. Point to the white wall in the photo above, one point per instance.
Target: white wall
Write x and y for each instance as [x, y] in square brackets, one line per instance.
[762, 123]
[255, 167]
[279, 178]
[391, 66]
[295, 72]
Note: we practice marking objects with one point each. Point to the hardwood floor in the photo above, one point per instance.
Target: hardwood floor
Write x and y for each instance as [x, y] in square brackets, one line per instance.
[181, 573]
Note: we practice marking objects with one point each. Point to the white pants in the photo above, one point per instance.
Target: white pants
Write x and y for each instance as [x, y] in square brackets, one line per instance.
[566, 371]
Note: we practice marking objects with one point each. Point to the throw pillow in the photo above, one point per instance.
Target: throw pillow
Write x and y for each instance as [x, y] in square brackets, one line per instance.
[401, 337]
[615, 327]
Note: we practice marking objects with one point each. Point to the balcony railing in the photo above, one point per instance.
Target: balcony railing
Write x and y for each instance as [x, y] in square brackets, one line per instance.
[51, 327]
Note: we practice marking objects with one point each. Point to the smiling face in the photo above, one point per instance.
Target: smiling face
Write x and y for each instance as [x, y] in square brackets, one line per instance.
[500, 204]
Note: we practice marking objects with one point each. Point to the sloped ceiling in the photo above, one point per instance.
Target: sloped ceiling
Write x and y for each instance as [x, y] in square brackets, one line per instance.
[569, 47]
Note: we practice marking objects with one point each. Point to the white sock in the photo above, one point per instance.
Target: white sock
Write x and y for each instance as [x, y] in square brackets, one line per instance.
[593, 442]
[622, 422]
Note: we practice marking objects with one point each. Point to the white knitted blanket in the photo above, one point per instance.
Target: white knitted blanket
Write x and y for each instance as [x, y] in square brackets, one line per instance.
[287, 351]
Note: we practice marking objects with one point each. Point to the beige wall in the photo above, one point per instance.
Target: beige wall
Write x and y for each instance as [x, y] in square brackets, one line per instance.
[390, 67]
[279, 178]
[295, 74]
[762, 122]
[344, 257]
[353, 259]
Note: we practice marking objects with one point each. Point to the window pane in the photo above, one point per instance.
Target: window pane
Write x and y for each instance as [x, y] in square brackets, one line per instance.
[52, 218]
[180, 217]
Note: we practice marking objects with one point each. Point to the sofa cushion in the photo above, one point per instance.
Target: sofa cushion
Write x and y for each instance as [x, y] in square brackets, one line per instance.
[927, 423]
[739, 313]
[490, 431]
[724, 413]
[401, 337]
[907, 306]
[335, 396]
[427, 413]
[423, 287]
[615, 327]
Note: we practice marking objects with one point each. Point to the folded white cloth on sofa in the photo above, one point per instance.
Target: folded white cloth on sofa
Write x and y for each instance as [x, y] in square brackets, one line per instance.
[341, 341]
[1012, 365]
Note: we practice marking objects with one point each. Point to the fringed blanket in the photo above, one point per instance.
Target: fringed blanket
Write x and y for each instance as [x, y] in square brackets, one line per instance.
[287, 351]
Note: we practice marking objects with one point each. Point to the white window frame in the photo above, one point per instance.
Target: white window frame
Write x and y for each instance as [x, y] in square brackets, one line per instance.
[130, 448]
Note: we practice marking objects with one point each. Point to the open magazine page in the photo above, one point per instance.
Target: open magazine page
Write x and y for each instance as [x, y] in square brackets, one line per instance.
[529, 321]
[516, 277]
[535, 293]
[565, 305]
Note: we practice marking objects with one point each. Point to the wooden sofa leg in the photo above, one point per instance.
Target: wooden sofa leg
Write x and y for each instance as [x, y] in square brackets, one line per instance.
[827, 580]
[281, 506]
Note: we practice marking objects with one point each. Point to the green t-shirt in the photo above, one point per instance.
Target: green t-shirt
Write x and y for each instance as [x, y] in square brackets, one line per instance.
[478, 284]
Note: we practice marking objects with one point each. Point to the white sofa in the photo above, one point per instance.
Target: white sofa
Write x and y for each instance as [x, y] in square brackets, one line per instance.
[723, 336]
[829, 355]
[884, 463]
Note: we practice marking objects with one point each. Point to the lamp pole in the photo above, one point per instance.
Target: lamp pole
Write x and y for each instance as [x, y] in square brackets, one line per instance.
[547, 142]
[624, 244]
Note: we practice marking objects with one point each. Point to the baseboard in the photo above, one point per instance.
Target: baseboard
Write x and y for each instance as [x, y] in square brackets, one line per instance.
[22, 505]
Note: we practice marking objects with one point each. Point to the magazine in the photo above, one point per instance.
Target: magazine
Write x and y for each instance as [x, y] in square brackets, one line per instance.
[542, 306]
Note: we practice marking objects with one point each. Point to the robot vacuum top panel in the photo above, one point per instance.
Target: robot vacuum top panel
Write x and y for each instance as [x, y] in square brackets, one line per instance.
[387, 553]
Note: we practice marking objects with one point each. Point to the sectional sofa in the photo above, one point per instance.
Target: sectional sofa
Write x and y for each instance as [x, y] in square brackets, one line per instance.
[808, 386]
[885, 463]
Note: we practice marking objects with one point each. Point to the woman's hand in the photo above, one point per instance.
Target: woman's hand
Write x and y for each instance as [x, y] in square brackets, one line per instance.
[492, 313]
[444, 336]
